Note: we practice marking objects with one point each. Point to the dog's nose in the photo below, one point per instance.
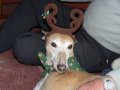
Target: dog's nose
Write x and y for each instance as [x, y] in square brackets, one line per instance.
[61, 67]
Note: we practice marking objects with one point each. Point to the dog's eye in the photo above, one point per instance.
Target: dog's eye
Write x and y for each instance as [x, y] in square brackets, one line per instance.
[70, 47]
[53, 44]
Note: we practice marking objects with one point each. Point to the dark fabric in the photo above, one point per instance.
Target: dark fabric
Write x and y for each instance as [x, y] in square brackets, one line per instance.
[90, 54]
[25, 17]
[16, 24]
[27, 47]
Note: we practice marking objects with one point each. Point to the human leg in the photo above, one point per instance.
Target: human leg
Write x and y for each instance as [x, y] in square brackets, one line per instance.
[91, 55]
[27, 47]
[21, 20]
[23, 50]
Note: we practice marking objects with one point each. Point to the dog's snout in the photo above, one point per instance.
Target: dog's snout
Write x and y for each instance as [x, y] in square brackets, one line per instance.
[61, 68]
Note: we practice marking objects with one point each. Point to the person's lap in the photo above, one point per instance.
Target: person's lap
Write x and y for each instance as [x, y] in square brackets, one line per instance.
[27, 46]
[88, 52]
[25, 16]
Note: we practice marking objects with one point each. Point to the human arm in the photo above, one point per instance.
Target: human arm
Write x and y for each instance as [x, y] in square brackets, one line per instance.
[110, 81]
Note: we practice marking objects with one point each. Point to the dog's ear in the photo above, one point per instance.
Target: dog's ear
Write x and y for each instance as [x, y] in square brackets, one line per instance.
[43, 38]
[75, 40]
[44, 32]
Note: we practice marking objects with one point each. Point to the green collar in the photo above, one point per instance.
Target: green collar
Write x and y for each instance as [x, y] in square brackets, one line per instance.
[72, 64]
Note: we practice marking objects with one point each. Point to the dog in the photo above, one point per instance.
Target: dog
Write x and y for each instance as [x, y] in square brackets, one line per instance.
[59, 47]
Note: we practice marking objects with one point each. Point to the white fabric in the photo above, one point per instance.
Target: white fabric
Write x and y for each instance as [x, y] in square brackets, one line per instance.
[115, 74]
[40, 83]
[102, 22]
[116, 63]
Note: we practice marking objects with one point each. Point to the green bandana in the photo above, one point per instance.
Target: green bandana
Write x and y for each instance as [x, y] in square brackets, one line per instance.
[72, 64]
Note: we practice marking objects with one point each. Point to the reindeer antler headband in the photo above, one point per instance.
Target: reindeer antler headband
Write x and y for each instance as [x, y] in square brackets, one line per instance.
[76, 16]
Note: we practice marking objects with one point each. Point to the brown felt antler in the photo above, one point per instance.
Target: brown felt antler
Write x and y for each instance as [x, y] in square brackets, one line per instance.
[76, 16]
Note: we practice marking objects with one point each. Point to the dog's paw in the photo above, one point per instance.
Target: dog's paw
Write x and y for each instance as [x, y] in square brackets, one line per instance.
[116, 63]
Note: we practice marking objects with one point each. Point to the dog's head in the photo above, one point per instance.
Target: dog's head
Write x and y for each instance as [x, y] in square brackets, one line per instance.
[59, 48]
[59, 41]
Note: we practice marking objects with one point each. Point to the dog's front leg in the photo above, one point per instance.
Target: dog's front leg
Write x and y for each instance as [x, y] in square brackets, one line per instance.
[40, 83]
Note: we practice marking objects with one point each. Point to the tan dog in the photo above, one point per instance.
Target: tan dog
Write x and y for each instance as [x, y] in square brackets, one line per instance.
[59, 46]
